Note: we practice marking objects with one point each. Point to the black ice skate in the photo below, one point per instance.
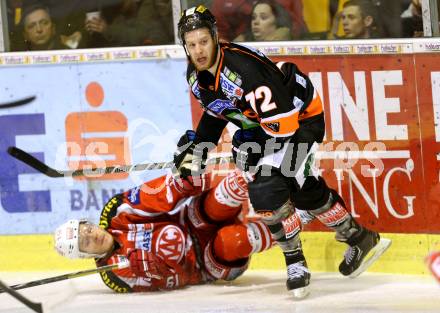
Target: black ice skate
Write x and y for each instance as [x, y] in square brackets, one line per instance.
[298, 275]
[364, 249]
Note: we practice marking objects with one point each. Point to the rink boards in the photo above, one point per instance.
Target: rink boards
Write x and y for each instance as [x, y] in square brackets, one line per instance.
[382, 150]
[405, 256]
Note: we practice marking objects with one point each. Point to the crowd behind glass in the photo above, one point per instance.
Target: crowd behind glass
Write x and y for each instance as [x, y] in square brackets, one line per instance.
[74, 24]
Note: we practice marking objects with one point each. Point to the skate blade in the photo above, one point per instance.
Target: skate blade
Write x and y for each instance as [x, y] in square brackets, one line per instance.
[300, 293]
[372, 256]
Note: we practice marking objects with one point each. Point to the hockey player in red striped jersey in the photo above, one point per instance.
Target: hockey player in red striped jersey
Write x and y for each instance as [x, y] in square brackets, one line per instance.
[173, 232]
[281, 122]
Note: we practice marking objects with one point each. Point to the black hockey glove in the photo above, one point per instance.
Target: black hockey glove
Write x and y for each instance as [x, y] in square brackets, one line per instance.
[246, 150]
[190, 157]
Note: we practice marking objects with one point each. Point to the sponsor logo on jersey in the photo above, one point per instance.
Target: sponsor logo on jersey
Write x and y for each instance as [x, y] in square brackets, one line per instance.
[195, 89]
[241, 120]
[230, 89]
[232, 76]
[143, 240]
[192, 78]
[297, 102]
[301, 80]
[218, 106]
[291, 226]
[170, 244]
[275, 127]
[194, 84]
[135, 197]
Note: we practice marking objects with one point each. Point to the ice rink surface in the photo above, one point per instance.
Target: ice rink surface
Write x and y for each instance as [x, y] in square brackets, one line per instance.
[254, 292]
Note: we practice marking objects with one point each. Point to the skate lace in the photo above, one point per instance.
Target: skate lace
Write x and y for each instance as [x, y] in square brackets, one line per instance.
[296, 270]
[350, 254]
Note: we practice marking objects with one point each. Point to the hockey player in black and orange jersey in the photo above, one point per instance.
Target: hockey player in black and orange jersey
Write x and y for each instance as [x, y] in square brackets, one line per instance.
[281, 122]
[173, 233]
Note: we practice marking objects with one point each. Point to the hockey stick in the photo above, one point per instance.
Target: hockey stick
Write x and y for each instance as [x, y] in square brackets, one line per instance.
[49, 280]
[51, 172]
[17, 102]
[35, 306]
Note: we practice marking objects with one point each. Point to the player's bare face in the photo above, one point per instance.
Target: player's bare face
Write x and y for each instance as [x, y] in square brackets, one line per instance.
[201, 48]
[93, 239]
[263, 23]
[353, 23]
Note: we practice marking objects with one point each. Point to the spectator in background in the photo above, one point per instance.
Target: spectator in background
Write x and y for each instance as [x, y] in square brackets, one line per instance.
[412, 20]
[39, 31]
[269, 23]
[135, 23]
[386, 17]
[233, 16]
[69, 16]
[359, 21]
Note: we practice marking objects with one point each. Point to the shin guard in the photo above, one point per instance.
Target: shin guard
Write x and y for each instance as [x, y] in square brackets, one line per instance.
[335, 216]
[284, 224]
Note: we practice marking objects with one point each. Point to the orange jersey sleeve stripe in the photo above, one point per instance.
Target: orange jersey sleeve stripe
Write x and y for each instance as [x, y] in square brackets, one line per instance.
[315, 107]
[281, 125]
[219, 67]
[247, 53]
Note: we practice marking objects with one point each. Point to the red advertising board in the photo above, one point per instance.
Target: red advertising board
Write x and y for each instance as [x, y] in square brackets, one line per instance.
[382, 147]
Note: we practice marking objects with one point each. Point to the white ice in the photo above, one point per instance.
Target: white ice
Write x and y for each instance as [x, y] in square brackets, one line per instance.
[254, 292]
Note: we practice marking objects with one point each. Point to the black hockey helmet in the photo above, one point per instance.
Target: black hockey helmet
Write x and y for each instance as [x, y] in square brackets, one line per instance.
[195, 18]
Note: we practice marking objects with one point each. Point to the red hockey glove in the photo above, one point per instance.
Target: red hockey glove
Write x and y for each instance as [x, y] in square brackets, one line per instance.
[146, 264]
